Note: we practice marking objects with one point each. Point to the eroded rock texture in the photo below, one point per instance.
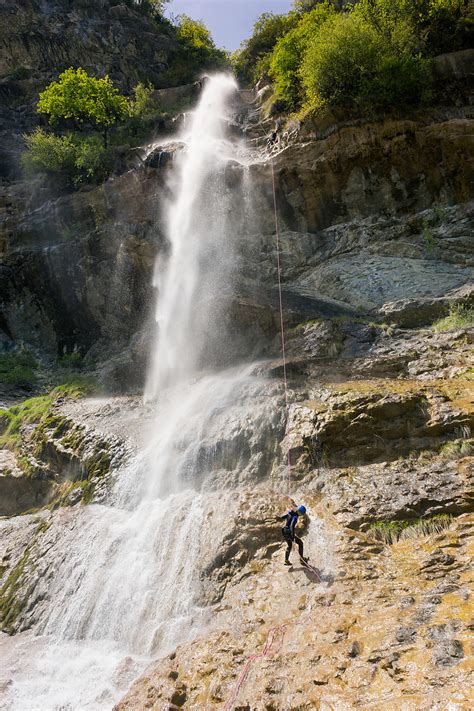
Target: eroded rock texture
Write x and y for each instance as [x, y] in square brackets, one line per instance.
[376, 229]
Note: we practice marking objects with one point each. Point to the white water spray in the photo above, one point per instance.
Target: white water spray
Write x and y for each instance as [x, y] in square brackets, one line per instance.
[126, 587]
[195, 274]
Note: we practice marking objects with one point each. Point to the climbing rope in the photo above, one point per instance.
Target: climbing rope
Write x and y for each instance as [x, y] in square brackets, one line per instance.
[282, 327]
[273, 645]
[276, 635]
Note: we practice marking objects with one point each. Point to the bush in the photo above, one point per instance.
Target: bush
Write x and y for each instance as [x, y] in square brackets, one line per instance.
[286, 58]
[427, 26]
[196, 52]
[400, 81]
[460, 316]
[253, 56]
[348, 63]
[75, 158]
[81, 99]
[144, 106]
[342, 54]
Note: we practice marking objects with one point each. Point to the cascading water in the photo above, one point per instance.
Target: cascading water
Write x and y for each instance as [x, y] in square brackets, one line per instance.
[127, 586]
[196, 273]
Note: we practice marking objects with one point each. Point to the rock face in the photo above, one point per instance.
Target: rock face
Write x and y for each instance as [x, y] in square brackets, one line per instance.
[374, 218]
[41, 39]
[376, 232]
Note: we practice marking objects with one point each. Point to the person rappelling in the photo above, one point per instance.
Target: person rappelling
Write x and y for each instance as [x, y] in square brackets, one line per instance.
[289, 533]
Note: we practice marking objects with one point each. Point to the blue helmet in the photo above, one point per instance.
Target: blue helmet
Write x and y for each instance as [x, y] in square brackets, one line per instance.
[301, 509]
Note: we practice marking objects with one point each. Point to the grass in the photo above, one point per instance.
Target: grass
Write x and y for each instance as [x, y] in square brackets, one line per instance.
[458, 448]
[428, 237]
[33, 411]
[460, 316]
[392, 531]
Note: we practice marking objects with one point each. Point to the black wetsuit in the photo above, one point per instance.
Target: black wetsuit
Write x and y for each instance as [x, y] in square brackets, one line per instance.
[289, 533]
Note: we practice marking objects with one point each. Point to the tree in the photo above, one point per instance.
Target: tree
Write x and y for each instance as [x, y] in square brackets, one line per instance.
[287, 56]
[253, 56]
[81, 99]
[194, 33]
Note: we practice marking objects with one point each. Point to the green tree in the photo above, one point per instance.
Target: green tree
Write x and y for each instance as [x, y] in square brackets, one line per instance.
[427, 26]
[252, 59]
[75, 158]
[195, 52]
[287, 56]
[194, 33]
[350, 63]
[80, 99]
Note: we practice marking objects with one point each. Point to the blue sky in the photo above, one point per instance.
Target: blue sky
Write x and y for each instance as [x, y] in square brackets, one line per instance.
[230, 21]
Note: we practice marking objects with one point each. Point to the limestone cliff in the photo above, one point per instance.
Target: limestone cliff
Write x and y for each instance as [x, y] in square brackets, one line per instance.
[376, 225]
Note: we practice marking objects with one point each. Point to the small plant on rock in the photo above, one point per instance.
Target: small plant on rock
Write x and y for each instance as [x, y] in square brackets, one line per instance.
[390, 532]
[460, 316]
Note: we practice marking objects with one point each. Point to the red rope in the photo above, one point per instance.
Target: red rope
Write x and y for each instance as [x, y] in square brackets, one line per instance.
[282, 328]
[275, 635]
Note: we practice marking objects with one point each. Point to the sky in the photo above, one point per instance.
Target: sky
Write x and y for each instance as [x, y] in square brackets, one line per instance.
[230, 21]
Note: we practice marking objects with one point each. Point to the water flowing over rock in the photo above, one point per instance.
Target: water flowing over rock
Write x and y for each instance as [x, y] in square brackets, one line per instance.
[168, 590]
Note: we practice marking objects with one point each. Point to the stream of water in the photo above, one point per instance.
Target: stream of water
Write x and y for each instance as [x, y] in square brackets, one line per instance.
[126, 586]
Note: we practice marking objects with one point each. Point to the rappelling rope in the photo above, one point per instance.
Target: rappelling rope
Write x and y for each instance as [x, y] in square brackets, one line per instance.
[276, 635]
[273, 645]
[282, 327]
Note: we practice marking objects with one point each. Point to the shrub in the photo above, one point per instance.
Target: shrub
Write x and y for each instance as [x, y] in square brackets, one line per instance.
[400, 81]
[144, 106]
[17, 368]
[251, 58]
[73, 360]
[93, 162]
[342, 54]
[460, 316]
[286, 58]
[77, 159]
[81, 99]
[348, 63]
[196, 52]
[428, 26]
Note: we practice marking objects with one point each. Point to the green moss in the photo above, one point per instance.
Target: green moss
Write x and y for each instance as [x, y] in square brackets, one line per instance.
[11, 604]
[393, 531]
[34, 411]
[11, 601]
[460, 316]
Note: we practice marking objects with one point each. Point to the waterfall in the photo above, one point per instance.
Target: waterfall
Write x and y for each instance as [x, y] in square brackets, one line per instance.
[126, 587]
[195, 275]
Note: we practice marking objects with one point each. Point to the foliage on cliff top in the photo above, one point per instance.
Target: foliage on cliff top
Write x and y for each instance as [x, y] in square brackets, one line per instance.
[371, 55]
[195, 54]
[252, 58]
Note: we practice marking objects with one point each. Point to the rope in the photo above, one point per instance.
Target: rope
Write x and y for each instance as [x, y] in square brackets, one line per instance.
[275, 634]
[282, 327]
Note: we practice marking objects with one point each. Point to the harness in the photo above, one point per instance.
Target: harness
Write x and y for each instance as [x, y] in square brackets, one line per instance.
[288, 530]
